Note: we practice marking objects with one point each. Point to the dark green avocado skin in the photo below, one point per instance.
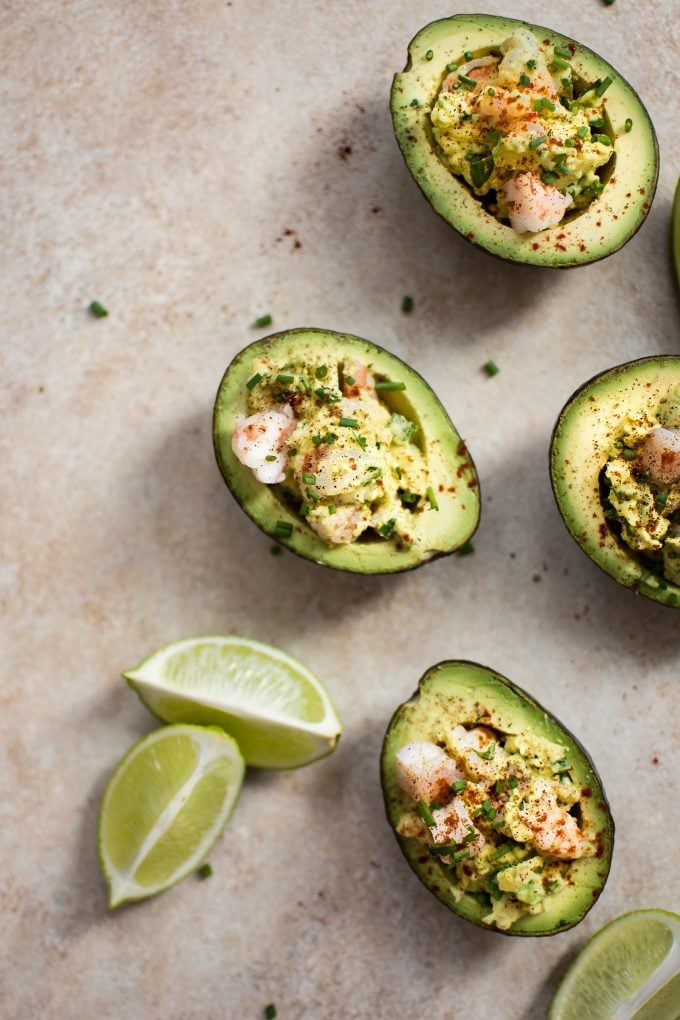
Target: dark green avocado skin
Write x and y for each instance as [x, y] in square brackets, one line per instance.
[610, 554]
[471, 230]
[303, 541]
[534, 711]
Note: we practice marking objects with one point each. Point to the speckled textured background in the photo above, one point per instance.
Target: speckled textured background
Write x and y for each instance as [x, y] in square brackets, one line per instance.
[193, 165]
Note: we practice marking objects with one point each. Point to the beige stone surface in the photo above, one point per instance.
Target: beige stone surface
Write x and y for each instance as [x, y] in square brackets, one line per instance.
[188, 164]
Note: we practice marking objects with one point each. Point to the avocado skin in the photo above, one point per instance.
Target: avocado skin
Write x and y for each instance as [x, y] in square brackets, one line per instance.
[598, 797]
[608, 553]
[260, 505]
[496, 239]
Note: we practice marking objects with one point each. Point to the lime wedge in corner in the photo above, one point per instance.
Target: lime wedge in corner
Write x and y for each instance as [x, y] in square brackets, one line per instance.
[629, 970]
[279, 713]
[675, 231]
[163, 808]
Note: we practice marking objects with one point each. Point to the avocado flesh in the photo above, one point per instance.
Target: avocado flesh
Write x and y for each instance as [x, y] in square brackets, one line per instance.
[587, 427]
[603, 227]
[450, 468]
[457, 691]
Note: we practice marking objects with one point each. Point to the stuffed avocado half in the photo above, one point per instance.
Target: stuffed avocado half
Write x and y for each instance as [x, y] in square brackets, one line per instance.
[497, 808]
[343, 453]
[526, 142]
[615, 469]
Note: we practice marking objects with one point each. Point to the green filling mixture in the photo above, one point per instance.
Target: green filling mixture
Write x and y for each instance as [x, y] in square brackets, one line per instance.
[521, 127]
[351, 460]
[507, 830]
[640, 486]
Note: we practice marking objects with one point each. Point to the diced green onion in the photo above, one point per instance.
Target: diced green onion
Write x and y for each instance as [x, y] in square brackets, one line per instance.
[512, 783]
[603, 86]
[500, 786]
[332, 509]
[603, 139]
[569, 143]
[506, 848]
[488, 810]
[536, 578]
[468, 82]
[96, 308]
[531, 64]
[348, 423]
[205, 870]
[452, 67]
[305, 384]
[426, 814]
[561, 166]
[548, 177]
[270, 1011]
[361, 440]
[460, 855]
[558, 64]
[409, 497]
[491, 91]
[388, 387]
[327, 395]
[458, 785]
[468, 54]
[491, 368]
[628, 454]
[407, 304]
[285, 378]
[660, 500]
[562, 51]
[628, 126]
[431, 498]
[262, 321]
[429, 55]
[270, 457]
[542, 104]
[597, 123]
[582, 131]
[489, 754]
[415, 102]
[535, 142]
[253, 381]
[292, 450]
[321, 372]
[466, 550]
[561, 765]
[524, 79]
[283, 529]
[309, 479]
[442, 849]
[349, 379]
[387, 529]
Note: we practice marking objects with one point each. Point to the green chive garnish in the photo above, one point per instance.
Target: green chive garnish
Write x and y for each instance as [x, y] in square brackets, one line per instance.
[426, 814]
[407, 304]
[569, 143]
[597, 123]
[535, 142]
[561, 765]
[562, 51]
[321, 372]
[397, 472]
[285, 378]
[270, 457]
[524, 79]
[270, 1011]
[603, 139]
[332, 509]
[283, 529]
[415, 102]
[292, 450]
[253, 381]
[452, 67]
[264, 320]
[466, 550]
[309, 479]
[488, 810]
[388, 387]
[348, 423]
[491, 368]
[531, 64]
[512, 783]
[558, 64]
[387, 529]
[464, 80]
[442, 849]
[361, 440]
[458, 785]
[409, 497]
[349, 379]
[431, 498]
[582, 131]
[628, 454]
[536, 578]
[548, 177]
[502, 851]
[542, 104]
[628, 126]
[97, 309]
[468, 54]
[205, 871]
[489, 754]
[561, 166]
[429, 55]
[460, 855]
[603, 86]
[660, 500]
[491, 91]
[500, 786]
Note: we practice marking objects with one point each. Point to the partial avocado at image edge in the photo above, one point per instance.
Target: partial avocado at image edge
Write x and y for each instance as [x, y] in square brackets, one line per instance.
[628, 192]
[437, 532]
[500, 696]
[583, 427]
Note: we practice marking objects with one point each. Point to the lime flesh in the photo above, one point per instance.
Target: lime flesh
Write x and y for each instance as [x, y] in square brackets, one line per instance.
[630, 970]
[164, 807]
[276, 709]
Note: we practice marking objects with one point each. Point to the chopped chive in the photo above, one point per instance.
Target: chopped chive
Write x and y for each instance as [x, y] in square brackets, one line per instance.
[608, 3]
[562, 51]
[349, 379]
[522, 804]
[397, 472]
[536, 578]
[471, 836]
[531, 64]
[270, 457]
[285, 378]
[597, 122]
[321, 372]
[415, 102]
[569, 143]
[458, 785]
[561, 167]
[283, 529]
[305, 384]
[332, 509]
[361, 440]
[426, 814]
[451, 67]
[561, 765]
[431, 498]
[276, 550]
[660, 500]
[312, 496]
[270, 1011]
[506, 848]
[492, 136]
[409, 497]
[292, 450]
[429, 55]
[489, 754]
[464, 80]
[542, 104]
[628, 126]
[387, 529]
[628, 454]
[460, 855]
[558, 64]
[263, 320]
[535, 142]
[500, 786]
[407, 304]
[524, 79]
[96, 308]
[327, 395]
[466, 550]
[309, 479]
[253, 381]
[582, 131]
[442, 849]
[603, 139]
[548, 177]
[205, 870]
[468, 54]
[491, 368]
[488, 810]
[512, 783]
[348, 423]
[491, 91]
[603, 86]
[387, 387]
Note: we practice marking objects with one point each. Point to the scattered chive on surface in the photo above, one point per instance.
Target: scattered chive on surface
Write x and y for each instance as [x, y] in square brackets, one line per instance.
[451, 67]
[524, 79]
[349, 379]
[536, 578]
[458, 785]
[464, 80]
[407, 304]
[491, 368]
[321, 372]
[270, 1011]
[276, 550]
[628, 126]
[431, 498]
[285, 378]
[535, 142]
[262, 321]
[582, 131]
[205, 870]
[425, 813]
[466, 550]
[96, 309]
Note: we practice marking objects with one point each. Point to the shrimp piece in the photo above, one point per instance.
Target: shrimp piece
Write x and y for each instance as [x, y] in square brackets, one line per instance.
[469, 745]
[339, 528]
[554, 831]
[260, 436]
[532, 205]
[425, 771]
[338, 470]
[660, 455]
[482, 69]
[504, 107]
[453, 824]
[363, 384]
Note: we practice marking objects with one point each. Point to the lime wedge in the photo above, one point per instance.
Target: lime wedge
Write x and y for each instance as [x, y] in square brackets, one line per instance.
[629, 970]
[163, 808]
[279, 713]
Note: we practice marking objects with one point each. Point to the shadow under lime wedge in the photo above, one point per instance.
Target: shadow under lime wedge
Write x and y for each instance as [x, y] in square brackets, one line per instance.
[629, 970]
[164, 807]
[279, 713]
